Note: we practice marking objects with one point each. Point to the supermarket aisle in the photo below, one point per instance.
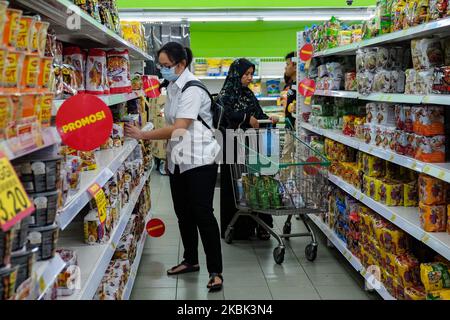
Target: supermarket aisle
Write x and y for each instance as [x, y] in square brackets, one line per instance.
[249, 269]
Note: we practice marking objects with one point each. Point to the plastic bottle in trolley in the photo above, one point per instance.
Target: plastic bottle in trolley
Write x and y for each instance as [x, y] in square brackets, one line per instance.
[263, 193]
[275, 196]
[246, 189]
[253, 194]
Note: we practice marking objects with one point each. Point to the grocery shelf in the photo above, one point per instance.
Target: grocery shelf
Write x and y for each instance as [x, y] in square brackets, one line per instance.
[406, 218]
[441, 99]
[93, 260]
[135, 267]
[224, 77]
[11, 148]
[354, 261]
[75, 26]
[110, 100]
[437, 170]
[267, 98]
[427, 29]
[47, 273]
[108, 161]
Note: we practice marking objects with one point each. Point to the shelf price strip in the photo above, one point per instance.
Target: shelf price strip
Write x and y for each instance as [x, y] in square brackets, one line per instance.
[14, 202]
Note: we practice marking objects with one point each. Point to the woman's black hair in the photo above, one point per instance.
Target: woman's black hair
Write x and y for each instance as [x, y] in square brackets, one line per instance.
[177, 53]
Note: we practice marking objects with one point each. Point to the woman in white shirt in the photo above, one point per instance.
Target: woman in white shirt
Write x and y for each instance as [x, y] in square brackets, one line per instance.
[191, 155]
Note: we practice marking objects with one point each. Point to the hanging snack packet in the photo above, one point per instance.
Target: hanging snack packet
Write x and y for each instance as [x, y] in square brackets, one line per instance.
[95, 67]
[119, 72]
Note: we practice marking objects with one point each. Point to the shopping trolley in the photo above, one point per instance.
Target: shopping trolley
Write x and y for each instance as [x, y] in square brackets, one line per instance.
[278, 174]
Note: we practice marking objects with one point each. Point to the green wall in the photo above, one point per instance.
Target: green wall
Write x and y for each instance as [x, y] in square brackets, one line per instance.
[237, 3]
[246, 39]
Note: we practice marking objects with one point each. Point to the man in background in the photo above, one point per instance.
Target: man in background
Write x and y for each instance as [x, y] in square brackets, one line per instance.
[290, 74]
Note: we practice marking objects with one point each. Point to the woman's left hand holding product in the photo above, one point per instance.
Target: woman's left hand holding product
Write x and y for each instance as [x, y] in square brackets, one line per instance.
[133, 132]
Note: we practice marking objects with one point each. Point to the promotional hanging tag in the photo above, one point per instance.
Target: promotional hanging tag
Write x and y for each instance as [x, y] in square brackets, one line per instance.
[14, 202]
[100, 199]
[155, 228]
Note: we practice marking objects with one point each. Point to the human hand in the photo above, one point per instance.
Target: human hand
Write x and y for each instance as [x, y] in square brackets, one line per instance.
[274, 119]
[254, 122]
[133, 132]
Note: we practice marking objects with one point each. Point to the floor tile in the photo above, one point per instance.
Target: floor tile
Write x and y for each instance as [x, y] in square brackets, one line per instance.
[332, 279]
[341, 293]
[299, 280]
[324, 267]
[154, 294]
[247, 293]
[294, 293]
[154, 281]
[198, 294]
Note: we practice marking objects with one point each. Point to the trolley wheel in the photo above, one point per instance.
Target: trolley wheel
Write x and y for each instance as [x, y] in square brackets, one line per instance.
[287, 228]
[311, 252]
[229, 235]
[278, 254]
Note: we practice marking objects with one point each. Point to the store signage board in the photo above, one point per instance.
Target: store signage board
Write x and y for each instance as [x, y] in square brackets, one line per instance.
[14, 202]
[100, 199]
[84, 122]
[155, 228]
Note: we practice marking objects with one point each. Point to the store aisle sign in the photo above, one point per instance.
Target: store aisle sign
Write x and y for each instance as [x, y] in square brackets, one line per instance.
[84, 122]
[100, 199]
[155, 228]
[14, 202]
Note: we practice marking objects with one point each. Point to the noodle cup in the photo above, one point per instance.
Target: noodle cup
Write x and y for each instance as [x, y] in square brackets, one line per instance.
[11, 29]
[13, 70]
[45, 73]
[30, 72]
[25, 34]
[39, 41]
[46, 105]
[3, 17]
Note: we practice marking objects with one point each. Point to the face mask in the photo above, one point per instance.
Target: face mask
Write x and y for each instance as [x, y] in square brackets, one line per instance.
[169, 74]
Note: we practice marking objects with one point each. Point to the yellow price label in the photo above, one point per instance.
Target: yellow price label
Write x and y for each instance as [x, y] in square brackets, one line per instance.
[42, 284]
[307, 101]
[426, 99]
[389, 98]
[14, 202]
[426, 169]
[393, 217]
[414, 165]
[370, 149]
[100, 199]
[363, 272]
[425, 238]
[391, 157]
[441, 174]
[361, 197]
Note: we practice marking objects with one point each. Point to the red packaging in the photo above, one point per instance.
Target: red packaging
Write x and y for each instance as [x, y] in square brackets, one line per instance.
[119, 72]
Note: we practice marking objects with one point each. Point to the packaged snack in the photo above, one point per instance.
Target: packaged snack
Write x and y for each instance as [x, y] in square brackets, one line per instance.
[25, 260]
[408, 270]
[46, 79]
[13, 69]
[388, 142]
[372, 187]
[8, 276]
[432, 191]
[350, 81]
[399, 290]
[434, 276]
[365, 81]
[430, 149]
[398, 13]
[438, 9]
[391, 193]
[45, 239]
[373, 166]
[439, 295]
[393, 239]
[397, 81]
[75, 57]
[424, 82]
[441, 80]
[30, 72]
[39, 42]
[94, 231]
[426, 53]
[382, 57]
[68, 81]
[65, 285]
[385, 114]
[88, 160]
[410, 81]
[382, 81]
[388, 261]
[119, 71]
[371, 112]
[433, 218]
[410, 194]
[415, 293]
[273, 88]
[429, 120]
[95, 67]
[47, 205]
[25, 33]
[12, 27]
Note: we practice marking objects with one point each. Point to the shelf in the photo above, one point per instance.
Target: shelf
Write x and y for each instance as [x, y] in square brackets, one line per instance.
[80, 29]
[224, 77]
[135, 267]
[93, 260]
[437, 170]
[406, 218]
[47, 273]
[427, 29]
[441, 99]
[354, 261]
[108, 99]
[13, 149]
[108, 161]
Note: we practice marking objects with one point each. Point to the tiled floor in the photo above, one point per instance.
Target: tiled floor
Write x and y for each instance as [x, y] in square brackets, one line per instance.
[249, 269]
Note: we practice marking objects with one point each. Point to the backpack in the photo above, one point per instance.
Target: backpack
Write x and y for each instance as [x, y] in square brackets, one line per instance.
[217, 109]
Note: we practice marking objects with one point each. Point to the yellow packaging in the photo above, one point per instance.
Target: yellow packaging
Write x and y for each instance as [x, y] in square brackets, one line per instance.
[11, 27]
[431, 190]
[388, 261]
[439, 295]
[399, 290]
[415, 293]
[408, 270]
[410, 194]
[372, 187]
[388, 282]
[434, 276]
[25, 34]
[13, 70]
[373, 166]
[45, 115]
[391, 192]
[393, 239]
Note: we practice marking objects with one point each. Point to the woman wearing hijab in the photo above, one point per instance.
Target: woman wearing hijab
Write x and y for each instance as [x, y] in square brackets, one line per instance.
[242, 111]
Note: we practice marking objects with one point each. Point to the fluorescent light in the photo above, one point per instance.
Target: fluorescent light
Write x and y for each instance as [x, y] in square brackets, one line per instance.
[314, 18]
[151, 19]
[225, 19]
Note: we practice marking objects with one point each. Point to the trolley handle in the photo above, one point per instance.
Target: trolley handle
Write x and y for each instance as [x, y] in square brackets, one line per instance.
[268, 121]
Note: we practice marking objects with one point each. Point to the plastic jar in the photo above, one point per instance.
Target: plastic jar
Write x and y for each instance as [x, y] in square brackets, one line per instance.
[20, 231]
[24, 259]
[44, 238]
[46, 205]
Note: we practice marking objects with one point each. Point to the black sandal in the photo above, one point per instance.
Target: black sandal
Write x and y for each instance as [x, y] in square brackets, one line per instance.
[215, 287]
[263, 234]
[189, 268]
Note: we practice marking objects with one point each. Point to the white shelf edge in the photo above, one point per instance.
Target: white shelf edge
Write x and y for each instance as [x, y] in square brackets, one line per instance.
[47, 272]
[440, 171]
[50, 137]
[441, 99]
[100, 176]
[224, 77]
[354, 261]
[413, 32]
[406, 219]
[267, 98]
[110, 100]
[89, 288]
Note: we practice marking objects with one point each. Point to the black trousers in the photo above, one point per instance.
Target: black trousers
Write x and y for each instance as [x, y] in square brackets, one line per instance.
[193, 195]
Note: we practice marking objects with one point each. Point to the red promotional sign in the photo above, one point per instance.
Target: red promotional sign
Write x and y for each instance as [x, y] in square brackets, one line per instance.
[84, 122]
[306, 52]
[151, 87]
[307, 87]
[155, 228]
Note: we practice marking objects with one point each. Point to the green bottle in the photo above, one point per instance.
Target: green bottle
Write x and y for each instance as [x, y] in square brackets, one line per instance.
[263, 193]
[275, 196]
[253, 195]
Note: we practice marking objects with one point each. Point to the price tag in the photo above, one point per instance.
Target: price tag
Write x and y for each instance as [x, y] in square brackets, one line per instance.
[307, 101]
[14, 202]
[389, 98]
[354, 194]
[363, 272]
[425, 238]
[393, 217]
[426, 169]
[391, 158]
[441, 174]
[370, 149]
[113, 245]
[414, 165]
[100, 199]
[361, 197]
[426, 99]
